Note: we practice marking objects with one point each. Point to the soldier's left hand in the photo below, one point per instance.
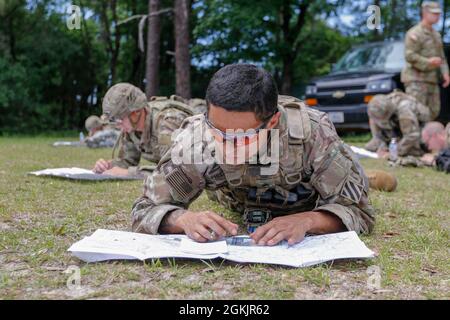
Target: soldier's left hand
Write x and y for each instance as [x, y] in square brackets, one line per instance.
[116, 171]
[291, 228]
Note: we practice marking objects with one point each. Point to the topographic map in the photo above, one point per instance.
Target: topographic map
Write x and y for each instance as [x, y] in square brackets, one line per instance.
[105, 245]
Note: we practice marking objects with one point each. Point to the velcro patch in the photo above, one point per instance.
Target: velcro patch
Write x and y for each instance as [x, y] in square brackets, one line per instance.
[179, 181]
[352, 191]
[413, 37]
[216, 177]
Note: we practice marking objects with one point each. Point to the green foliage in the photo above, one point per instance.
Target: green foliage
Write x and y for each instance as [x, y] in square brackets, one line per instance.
[239, 31]
[13, 79]
[52, 78]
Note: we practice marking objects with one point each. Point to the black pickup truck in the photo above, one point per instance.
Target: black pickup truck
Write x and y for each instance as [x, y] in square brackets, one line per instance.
[364, 71]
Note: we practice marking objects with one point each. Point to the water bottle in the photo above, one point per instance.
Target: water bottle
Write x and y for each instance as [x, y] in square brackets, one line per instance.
[81, 136]
[393, 152]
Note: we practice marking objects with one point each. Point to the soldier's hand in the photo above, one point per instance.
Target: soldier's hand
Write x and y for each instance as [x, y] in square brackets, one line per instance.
[435, 61]
[446, 80]
[102, 165]
[116, 171]
[428, 159]
[291, 228]
[205, 226]
[383, 154]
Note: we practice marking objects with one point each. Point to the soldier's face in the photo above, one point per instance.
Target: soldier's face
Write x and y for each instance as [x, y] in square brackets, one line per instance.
[434, 142]
[132, 122]
[229, 121]
[125, 125]
[430, 17]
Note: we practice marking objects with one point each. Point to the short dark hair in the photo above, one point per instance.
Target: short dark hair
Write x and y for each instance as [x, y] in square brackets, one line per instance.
[243, 87]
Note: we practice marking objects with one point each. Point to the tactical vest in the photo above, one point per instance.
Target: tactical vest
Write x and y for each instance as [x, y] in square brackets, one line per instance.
[286, 191]
[418, 110]
[197, 105]
[159, 106]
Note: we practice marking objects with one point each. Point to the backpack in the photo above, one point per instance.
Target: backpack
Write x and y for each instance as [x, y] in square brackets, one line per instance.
[443, 161]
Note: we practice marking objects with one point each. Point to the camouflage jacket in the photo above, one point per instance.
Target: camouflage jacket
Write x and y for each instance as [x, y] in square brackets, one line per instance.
[164, 116]
[312, 159]
[407, 119]
[105, 138]
[421, 44]
[197, 105]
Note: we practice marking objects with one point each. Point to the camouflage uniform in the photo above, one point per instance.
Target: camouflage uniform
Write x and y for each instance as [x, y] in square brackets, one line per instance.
[105, 138]
[197, 105]
[163, 117]
[314, 163]
[397, 115]
[420, 78]
[101, 134]
[93, 123]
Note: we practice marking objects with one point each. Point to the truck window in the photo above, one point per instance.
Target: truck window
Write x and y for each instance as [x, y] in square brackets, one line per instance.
[382, 57]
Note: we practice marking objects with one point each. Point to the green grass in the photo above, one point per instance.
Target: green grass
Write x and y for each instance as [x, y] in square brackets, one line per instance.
[41, 217]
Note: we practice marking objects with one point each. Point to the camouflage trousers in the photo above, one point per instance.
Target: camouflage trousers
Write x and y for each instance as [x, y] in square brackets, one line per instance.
[376, 142]
[426, 93]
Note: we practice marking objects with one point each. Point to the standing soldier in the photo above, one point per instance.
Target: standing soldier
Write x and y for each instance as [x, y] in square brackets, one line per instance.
[313, 185]
[146, 126]
[425, 60]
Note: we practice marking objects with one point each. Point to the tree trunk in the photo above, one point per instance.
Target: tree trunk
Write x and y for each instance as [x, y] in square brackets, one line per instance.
[137, 69]
[291, 43]
[182, 56]
[112, 45]
[115, 52]
[153, 40]
[444, 18]
[286, 85]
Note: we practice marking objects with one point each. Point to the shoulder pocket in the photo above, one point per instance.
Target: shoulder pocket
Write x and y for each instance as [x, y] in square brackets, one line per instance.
[330, 181]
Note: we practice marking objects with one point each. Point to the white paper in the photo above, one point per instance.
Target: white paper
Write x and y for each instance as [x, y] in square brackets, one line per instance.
[80, 174]
[68, 144]
[363, 153]
[113, 245]
[190, 246]
[312, 250]
[120, 245]
[62, 171]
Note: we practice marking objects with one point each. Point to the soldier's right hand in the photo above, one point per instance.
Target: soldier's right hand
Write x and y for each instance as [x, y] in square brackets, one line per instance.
[428, 159]
[435, 61]
[102, 165]
[205, 226]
